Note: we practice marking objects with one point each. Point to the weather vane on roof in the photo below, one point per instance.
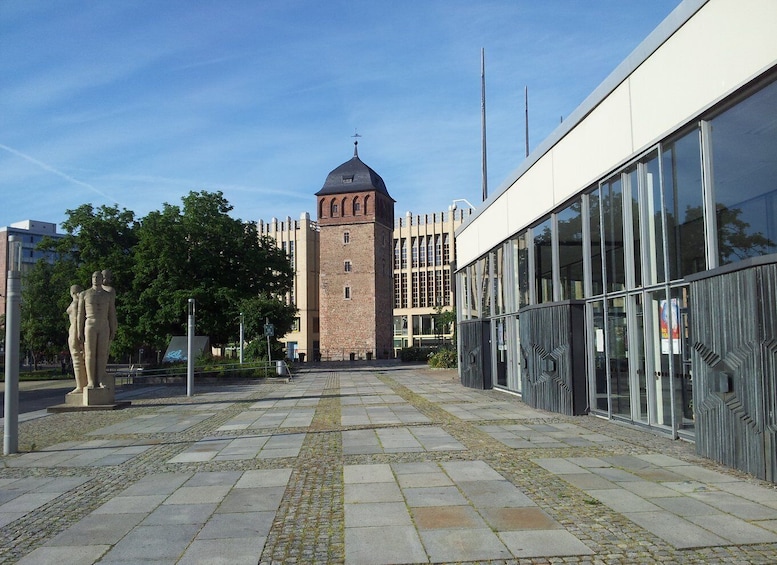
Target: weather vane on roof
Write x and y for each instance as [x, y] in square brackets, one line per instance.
[355, 143]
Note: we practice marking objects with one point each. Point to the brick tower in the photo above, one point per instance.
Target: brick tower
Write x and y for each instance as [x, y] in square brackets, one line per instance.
[356, 219]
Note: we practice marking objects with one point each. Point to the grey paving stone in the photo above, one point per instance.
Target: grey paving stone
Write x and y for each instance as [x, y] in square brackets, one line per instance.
[733, 529]
[559, 466]
[233, 551]
[98, 529]
[622, 500]
[471, 471]
[377, 514]
[251, 500]
[731, 504]
[256, 478]
[163, 483]
[445, 546]
[81, 555]
[676, 531]
[434, 496]
[589, 481]
[237, 525]
[213, 478]
[163, 542]
[381, 473]
[437, 479]
[198, 495]
[131, 504]
[384, 545]
[495, 494]
[543, 543]
[648, 489]
[180, 514]
[372, 492]
[685, 506]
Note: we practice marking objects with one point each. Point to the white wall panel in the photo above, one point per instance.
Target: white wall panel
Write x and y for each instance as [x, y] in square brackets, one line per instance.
[593, 147]
[718, 49]
[531, 196]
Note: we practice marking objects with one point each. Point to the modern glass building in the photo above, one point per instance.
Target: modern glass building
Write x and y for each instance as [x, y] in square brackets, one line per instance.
[628, 268]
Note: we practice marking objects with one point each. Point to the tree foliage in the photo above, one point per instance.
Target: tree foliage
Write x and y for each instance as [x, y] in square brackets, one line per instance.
[196, 250]
[43, 318]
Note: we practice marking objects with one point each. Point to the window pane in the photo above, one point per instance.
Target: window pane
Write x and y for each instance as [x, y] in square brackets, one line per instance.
[612, 203]
[522, 267]
[684, 205]
[597, 284]
[653, 248]
[636, 234]
[543, 261]
[498, 282]
[744, 146]
[570, 250]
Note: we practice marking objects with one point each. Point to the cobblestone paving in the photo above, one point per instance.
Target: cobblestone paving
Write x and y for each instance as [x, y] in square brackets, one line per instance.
[396, 403]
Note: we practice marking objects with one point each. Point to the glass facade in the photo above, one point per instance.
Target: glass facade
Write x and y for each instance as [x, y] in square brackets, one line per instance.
[702, 198]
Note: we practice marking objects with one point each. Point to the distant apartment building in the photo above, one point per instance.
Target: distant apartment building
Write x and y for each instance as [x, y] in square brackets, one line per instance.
[424, 258]
[29, 233]
[300, 240]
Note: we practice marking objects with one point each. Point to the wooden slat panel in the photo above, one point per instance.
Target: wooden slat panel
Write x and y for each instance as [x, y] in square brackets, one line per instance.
[734, 333]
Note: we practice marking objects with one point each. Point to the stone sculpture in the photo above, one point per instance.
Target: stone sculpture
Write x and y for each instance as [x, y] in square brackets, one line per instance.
[75, 345]
[96, 328]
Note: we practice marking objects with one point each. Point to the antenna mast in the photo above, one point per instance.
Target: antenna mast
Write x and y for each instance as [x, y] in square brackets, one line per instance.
[483, 117]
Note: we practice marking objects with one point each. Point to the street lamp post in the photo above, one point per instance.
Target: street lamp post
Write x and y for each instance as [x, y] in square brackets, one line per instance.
[13, 298]
[190, 355]
[241, 338]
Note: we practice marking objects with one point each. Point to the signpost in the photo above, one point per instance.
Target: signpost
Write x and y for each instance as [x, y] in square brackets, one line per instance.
[269, 331]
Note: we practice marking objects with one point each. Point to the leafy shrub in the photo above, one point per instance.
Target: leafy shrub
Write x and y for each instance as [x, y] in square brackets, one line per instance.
[409, 354]
[444, 359]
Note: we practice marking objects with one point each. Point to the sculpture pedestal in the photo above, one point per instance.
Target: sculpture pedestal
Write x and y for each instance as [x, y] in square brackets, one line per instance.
[103, 398]
[98, 396]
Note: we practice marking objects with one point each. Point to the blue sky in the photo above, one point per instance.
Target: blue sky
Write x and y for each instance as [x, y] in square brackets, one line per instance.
[138, 102]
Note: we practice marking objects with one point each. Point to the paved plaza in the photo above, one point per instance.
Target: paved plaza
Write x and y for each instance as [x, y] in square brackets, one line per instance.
[366, 465]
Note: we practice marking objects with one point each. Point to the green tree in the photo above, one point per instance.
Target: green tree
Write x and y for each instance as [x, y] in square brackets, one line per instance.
[97, 239]
[199, 251]
[43, 320]
[256, 311]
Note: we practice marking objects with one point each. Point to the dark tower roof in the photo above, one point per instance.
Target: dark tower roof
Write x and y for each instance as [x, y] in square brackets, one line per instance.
[353, 176]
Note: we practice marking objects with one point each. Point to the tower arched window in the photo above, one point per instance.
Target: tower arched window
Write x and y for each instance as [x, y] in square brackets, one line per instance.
[334, 209]
[342, 206]
[321, 208]
[357, 206]
[367, 204]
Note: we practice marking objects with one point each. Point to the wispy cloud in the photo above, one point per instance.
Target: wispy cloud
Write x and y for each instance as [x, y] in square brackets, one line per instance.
[57, 172]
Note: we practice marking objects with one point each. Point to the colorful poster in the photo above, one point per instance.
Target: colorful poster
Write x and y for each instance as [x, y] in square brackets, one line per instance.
[669, 321]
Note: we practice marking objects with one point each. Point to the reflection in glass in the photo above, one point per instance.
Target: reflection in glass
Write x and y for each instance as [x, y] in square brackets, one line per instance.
[597, 284]
[744, 159]
[618, 354]
[612, 208]
[654, 246]
[635, 229]
[599, 356]
[543, 261]
[684, 205]
[521, 266]
[570, 250]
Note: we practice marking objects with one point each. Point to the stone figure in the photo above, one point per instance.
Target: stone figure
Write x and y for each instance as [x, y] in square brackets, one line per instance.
[74, 343]
[110, 290]
[96, 328]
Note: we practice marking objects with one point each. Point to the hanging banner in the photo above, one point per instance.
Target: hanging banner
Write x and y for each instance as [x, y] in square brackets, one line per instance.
[669, 320]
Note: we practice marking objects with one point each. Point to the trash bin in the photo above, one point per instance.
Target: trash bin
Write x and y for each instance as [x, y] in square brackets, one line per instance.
[353, 356]
[301, 357]
[279, 368]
